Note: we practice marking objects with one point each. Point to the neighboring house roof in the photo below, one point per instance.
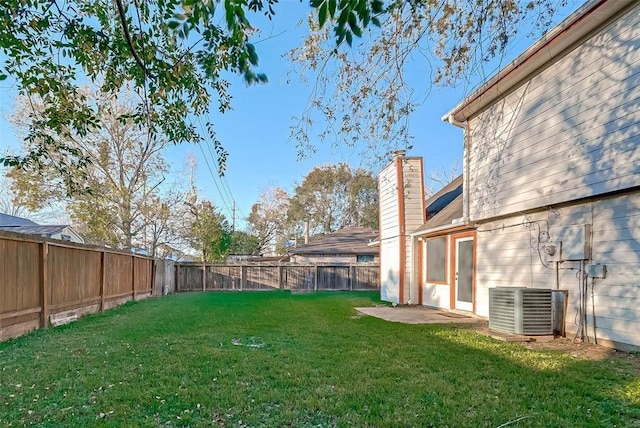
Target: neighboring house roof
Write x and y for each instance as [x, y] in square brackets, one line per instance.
[351, 240]
[36, 229]
[239, 258]
[25, 226]
[444, 207]
[10, 220]
[553, 44]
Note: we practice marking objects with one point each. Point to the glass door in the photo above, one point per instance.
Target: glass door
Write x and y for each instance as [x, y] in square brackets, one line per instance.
[464, 274]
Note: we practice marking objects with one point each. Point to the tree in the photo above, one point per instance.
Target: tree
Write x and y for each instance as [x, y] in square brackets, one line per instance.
[207, 231]
[364, 95]
[9, 204]
[162, 215]
[333, 197]
[121, 179]
[174, 54]
[437, 179]
[244, 243]
[268, 219]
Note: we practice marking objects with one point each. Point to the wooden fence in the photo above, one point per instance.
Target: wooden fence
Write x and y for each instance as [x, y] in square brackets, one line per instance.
[48, 282]
[198, 277]
[165, 280]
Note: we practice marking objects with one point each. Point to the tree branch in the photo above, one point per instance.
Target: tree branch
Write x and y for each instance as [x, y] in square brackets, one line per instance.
[127, 36]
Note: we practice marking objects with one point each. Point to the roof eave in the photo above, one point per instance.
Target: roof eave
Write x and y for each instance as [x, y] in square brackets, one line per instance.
[584, 20]
[453, 225]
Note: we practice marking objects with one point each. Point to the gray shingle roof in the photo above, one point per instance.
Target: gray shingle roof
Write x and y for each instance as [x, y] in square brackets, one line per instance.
[444, 206]
[10, 220]
[36, 229]
[438, 201]
[351, 240]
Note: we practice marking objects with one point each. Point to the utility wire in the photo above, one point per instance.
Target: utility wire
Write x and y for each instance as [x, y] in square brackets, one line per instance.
[224, 183]
[225, 196]
[215, 182]
[213, 177]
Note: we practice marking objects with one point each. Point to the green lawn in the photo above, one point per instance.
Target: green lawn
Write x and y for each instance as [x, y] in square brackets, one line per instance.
[277, 359]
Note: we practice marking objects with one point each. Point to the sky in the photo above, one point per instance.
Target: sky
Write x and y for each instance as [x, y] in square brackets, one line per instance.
[255, 132]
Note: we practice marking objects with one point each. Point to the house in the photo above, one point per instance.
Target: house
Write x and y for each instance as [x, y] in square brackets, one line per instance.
[15, 224]
[445, 252]
[426, 250]
[552, 171]
[349, 245]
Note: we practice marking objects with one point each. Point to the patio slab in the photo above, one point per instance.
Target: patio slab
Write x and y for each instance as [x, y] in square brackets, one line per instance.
[418, 315]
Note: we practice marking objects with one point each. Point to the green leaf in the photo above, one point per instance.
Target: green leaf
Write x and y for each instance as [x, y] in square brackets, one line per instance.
[322, 14]
[3, 77]
[253, 56]
[332, 8]
[357, 31]
[377, 6]
[353, 21]
[344, 16]
[230, 16]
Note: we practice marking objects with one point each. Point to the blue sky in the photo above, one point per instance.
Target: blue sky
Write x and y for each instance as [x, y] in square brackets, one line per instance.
[256, 132]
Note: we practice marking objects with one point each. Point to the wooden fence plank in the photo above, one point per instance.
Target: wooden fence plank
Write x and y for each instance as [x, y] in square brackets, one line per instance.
[44, 284]
[14, 314]
[103, 272]
[42, 278]
[312, 277]
[133, 278]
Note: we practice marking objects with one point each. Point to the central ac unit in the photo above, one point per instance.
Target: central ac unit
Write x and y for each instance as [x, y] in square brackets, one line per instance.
[521, 310]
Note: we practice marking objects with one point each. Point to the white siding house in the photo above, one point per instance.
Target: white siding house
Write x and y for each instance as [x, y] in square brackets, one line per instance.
[402, 210]
[552, 159]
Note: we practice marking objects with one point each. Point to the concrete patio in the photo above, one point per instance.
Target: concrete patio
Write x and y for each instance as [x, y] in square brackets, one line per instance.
[418, 315]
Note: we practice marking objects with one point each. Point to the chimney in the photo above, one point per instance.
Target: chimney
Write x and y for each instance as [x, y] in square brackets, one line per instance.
[399, 154]
[401, 193]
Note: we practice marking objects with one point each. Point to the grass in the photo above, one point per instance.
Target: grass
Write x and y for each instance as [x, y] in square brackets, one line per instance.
[306, 360]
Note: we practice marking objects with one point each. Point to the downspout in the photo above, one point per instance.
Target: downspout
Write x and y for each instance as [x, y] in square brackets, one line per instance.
[452, 120]
[463, 125]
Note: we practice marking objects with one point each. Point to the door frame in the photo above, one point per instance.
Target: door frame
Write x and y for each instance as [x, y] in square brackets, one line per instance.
[453, 248]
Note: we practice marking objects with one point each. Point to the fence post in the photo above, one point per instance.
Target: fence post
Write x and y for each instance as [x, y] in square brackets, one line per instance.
[243, 277]
[315, 279]
[103, 273]
[176, 288]
[133, 277]
[352, 276]
[280, 277]
[153, 277]
[204, 277]
[44, 284]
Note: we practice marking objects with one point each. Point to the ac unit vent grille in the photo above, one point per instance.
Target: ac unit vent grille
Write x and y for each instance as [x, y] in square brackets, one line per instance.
[520, 310]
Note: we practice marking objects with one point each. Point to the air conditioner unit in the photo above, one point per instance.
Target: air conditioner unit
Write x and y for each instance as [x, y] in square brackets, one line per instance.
[521, 310]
